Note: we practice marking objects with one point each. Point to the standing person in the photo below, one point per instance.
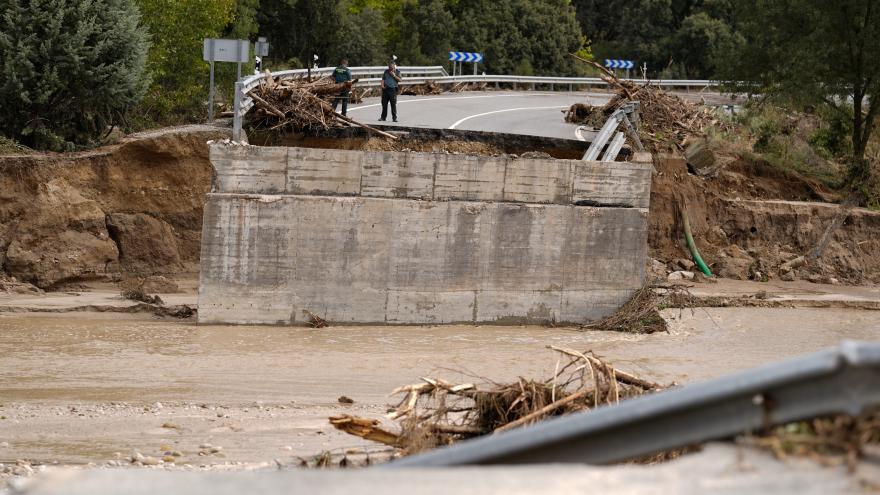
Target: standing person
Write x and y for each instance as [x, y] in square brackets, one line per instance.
[390, 85]
[342, 74]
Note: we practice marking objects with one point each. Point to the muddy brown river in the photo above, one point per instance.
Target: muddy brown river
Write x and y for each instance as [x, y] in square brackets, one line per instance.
[93, 388]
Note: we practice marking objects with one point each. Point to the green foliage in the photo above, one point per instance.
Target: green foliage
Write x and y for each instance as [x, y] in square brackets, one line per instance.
[68, 69]
[515, 35]
[815, 52]
[180, 76]
[674, 38]
[832, 138]
[786, 139]
[359, 41]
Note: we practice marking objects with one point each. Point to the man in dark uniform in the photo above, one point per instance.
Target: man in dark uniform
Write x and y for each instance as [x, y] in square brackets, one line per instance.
[390, 85]
[342, 74]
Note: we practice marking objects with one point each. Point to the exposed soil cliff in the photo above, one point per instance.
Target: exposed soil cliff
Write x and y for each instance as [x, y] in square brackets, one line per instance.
[131, 208]
[135, 209]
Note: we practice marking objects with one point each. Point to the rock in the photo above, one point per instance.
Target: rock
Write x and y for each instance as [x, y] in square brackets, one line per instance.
[657, 270]
[157, 405]
[146, 244]
[150, 461]
[684, 264]
[168, 459]
[159, 284]
[4, 445]
[699, 277]
[699, 156]
[680, 275]
[792, 264]
[735, 263]
[345, 400]
[787, 276]
[815, 278]
[137, 457]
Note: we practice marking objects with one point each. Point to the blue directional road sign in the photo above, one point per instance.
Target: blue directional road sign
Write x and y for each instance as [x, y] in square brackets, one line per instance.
[465, 57]
[619, 64]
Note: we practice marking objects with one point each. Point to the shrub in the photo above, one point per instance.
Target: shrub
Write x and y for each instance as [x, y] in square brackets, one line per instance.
[68, 69]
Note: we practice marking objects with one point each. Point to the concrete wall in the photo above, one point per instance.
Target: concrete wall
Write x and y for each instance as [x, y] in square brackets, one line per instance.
[269, 170]
[382, 237]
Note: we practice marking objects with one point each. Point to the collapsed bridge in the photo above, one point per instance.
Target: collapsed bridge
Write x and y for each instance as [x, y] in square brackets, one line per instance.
[387, 237]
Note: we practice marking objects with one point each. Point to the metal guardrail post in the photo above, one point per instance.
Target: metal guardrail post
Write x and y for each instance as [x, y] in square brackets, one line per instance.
[236, 111]
[841, 380]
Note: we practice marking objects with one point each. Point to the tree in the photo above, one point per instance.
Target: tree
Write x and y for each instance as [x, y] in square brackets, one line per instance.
[817, 53]
[300, 28]
[423, 32]
[360, 37]
[673, 37]
[68, 68]
[520, 36]
[180, 76]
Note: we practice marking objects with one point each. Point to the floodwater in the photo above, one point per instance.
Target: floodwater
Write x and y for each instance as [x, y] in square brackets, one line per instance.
[74, 389]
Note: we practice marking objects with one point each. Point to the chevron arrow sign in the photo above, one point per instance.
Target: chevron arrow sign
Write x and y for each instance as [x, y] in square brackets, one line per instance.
[465, 57]
[619, 64]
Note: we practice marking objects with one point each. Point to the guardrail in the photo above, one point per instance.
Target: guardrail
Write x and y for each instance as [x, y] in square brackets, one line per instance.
[370, 77]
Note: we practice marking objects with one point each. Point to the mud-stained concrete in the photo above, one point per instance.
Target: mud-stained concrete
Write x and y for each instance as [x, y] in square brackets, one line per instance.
[79, 390]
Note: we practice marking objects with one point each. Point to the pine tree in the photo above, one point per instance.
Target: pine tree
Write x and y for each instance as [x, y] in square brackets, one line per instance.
[68, 68]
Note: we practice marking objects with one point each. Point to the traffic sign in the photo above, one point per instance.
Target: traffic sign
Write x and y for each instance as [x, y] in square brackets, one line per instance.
[465, 57]
[619, 64]
[261, 47]
[214, 50]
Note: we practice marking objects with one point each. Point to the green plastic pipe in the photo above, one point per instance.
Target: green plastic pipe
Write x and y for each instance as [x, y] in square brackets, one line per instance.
[695, 253]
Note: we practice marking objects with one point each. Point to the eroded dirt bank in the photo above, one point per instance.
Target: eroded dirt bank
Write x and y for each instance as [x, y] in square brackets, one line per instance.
[135, 208]
[130, 208]
[750, 219]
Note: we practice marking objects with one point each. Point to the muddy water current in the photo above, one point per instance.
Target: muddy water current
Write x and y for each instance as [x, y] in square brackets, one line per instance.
[90, 388]
[123, 360]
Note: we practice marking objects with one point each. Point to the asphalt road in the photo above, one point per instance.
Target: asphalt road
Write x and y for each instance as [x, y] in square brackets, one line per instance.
[516, 112]
[528, 113]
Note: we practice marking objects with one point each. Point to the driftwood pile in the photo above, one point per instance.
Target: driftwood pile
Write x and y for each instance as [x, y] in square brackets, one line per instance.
[665, 119]
[434, 412]
[427, 88]
[300, 104]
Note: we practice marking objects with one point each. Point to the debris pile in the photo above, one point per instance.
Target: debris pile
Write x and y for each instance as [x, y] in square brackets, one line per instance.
[641, 314]
[427, 88]
[836, 440]
[468, 86]
[300, 104]
[435, 412]
[666, 120]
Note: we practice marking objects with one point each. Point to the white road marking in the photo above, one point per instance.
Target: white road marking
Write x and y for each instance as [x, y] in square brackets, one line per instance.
[439, 99]
[453, 126]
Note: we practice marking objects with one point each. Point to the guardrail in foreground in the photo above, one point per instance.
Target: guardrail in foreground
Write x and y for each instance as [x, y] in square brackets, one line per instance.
[371, 77]
[841, 380]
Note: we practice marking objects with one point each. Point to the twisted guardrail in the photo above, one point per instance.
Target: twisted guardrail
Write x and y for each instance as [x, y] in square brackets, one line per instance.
[372, 77]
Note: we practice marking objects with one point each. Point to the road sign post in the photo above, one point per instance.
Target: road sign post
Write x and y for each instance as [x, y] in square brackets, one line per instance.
[461, 57]
[219, 50]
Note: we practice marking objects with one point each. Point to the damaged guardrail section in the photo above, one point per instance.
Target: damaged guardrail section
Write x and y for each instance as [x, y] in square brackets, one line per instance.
[411, 238]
